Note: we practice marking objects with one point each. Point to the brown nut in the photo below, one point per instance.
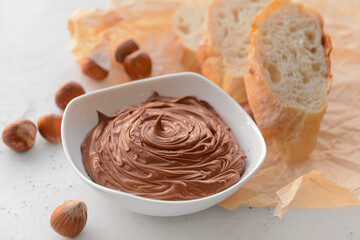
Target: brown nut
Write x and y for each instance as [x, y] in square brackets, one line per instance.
[125, 49]
[69, 219]
[67, 92]
[49, 127]
[138, 65]
[93, 70]
[20, 135]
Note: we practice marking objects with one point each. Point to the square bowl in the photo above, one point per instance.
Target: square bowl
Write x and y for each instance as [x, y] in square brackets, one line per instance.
[80, 117]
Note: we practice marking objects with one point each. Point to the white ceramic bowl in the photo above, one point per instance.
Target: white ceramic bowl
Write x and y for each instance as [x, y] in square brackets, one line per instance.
[80, 117]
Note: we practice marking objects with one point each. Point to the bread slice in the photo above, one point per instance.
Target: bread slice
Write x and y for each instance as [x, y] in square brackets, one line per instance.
[188, 25]
[288, 76]
[225, 43]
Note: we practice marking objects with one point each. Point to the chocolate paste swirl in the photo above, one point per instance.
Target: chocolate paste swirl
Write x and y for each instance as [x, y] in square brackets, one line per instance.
[165, 148]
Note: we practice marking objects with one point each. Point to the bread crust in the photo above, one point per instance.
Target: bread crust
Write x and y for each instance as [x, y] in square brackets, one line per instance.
[293, 131]
[197, 9]
[220, 74]
[189, 59]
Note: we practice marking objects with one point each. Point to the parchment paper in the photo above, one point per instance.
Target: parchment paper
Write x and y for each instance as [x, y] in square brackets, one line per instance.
[331, 176]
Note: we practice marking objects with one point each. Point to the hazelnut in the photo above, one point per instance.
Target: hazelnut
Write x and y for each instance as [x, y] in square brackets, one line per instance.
[69, 219]
[67, 92]
[125, 49]
[20, 135]
[138, 65]
[93, 70]
[49, 127]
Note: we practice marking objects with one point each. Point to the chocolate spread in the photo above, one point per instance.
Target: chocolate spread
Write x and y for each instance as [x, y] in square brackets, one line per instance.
[165, 148]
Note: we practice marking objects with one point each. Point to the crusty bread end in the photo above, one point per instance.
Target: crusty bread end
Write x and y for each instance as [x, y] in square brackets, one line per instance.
[188, 24]
[225, 43]
[288, 76]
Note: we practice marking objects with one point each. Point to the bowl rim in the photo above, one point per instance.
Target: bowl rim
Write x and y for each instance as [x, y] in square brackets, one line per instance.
[170, 202]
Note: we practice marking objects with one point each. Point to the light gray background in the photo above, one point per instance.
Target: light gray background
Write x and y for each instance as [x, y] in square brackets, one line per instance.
[35, 60]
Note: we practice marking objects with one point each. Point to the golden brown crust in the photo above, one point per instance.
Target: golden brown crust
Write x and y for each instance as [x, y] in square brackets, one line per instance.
[327, 44]
[293, 131]
[188, 26]
[213, 67]
[234, 85]
[189, 60]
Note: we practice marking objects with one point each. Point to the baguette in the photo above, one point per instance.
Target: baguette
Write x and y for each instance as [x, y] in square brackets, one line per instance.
[225, 42]
[188, 26]
[288, 76]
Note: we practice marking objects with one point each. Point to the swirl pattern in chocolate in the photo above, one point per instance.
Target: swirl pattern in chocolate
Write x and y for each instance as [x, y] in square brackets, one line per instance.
[165, 148]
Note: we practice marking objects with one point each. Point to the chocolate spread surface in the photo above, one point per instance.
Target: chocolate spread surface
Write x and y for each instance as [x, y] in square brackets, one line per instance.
[165, 148]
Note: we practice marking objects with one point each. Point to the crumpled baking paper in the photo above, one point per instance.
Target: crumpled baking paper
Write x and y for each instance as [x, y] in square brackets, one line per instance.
[97, 34]
[331, 176]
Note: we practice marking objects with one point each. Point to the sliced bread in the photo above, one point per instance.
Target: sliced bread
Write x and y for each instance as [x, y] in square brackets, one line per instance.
[225, 43]
[288, 76]
[188, 25]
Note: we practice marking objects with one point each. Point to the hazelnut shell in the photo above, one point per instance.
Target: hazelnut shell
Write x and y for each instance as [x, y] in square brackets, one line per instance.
[138, 65]
[49, 126]
[91, 69]
[125, 49]
[69, 219]
[20, 135]
[67, 92]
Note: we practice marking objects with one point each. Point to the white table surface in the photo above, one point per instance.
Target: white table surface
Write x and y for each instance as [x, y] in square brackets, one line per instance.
[35, 60]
